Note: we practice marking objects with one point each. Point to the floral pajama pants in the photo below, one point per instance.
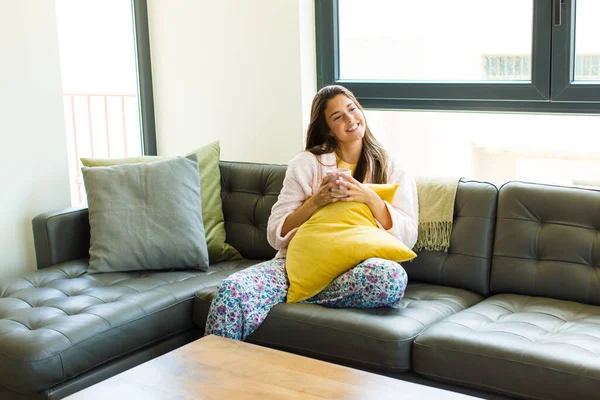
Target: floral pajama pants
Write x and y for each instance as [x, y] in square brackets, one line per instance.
[244, 299]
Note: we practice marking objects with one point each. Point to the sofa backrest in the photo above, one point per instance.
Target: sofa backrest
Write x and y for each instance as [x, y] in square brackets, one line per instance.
[547, 242]
[248, 192]
[468, 260]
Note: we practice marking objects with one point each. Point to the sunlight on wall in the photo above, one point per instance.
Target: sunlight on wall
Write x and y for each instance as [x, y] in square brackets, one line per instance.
[557, 149]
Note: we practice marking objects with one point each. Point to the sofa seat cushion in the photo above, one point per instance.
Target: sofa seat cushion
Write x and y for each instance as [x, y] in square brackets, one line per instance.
[378, 338]
[60, 322]
[517, 345]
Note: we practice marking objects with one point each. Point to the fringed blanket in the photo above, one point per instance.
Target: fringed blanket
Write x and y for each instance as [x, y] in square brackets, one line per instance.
[436, 211]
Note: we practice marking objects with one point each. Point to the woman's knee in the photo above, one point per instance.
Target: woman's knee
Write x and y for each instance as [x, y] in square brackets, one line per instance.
[388, 275]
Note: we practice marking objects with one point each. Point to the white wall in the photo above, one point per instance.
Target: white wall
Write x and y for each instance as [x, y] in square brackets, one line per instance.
[238, 71]
[34, 156]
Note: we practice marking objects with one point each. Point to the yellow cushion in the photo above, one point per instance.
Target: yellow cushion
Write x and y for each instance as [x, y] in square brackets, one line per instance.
[335, 239]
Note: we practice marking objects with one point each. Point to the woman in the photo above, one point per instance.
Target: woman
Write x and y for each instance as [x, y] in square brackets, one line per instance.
[338, 135]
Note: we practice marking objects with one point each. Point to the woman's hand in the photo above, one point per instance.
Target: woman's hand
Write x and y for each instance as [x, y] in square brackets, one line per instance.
[326, 191]
[321, 198]
[353, 190]
[356, 191]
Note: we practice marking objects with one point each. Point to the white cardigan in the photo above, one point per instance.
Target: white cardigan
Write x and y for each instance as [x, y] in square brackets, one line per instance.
[303, 178]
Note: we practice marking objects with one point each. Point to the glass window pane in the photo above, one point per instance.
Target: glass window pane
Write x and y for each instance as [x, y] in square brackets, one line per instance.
[99, 75]
[587, 40]
[436, 40]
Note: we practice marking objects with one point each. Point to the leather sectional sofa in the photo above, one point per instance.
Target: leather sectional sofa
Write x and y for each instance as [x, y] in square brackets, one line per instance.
[511, 310]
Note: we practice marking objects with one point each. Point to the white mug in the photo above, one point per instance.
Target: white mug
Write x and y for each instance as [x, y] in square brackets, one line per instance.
[344, 171]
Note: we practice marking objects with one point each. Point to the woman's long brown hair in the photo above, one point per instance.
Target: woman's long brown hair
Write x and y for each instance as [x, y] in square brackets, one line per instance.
[318, 141]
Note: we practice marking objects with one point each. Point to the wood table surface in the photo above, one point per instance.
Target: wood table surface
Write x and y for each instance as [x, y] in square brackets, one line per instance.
[218, 368]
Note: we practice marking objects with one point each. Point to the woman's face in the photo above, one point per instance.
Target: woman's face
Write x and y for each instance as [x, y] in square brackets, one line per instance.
[345, 120]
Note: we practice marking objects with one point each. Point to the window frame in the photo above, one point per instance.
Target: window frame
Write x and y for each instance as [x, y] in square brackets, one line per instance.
[548, 90]
[144, 76]
[563, 47]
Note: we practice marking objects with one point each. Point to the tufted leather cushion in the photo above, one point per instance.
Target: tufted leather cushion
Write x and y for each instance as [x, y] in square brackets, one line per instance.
[248, 192]
[467, 263]
[547, 242]
[519, 345]
[378, 338]
[60, 322]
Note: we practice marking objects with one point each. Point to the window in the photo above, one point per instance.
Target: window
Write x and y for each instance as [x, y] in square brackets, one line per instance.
[587, 44]
[107, 87]
[379, 41]
[485, 55]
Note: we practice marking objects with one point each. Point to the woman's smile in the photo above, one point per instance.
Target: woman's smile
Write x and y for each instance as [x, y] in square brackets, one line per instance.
[353, 127]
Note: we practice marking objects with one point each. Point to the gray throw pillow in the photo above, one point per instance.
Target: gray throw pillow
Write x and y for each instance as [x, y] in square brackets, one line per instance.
[146, 216]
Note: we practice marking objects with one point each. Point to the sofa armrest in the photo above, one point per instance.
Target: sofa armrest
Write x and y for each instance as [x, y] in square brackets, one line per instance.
[61, 236]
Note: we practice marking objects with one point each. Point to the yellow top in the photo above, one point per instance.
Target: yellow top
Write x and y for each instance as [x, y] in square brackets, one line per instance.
[343, 164]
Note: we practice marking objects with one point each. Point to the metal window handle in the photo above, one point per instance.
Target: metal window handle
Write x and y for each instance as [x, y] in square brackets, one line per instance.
[558, 12]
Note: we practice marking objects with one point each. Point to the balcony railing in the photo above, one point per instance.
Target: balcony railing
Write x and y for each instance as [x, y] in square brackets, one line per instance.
[100, 126]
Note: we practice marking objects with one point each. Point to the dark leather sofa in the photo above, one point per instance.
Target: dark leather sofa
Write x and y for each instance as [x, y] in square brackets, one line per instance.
[511, 310]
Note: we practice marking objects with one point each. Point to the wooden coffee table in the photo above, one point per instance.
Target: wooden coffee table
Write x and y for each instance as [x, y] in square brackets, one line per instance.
[218, 368]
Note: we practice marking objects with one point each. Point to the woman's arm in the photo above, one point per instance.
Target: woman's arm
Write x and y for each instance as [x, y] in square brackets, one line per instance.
[300, 216]
[307, 209]
[297, 202]
[294, 192]
[381, 212]
[404, 210]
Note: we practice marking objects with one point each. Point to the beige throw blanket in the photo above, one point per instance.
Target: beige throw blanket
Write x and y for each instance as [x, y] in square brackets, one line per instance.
[436, 211]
